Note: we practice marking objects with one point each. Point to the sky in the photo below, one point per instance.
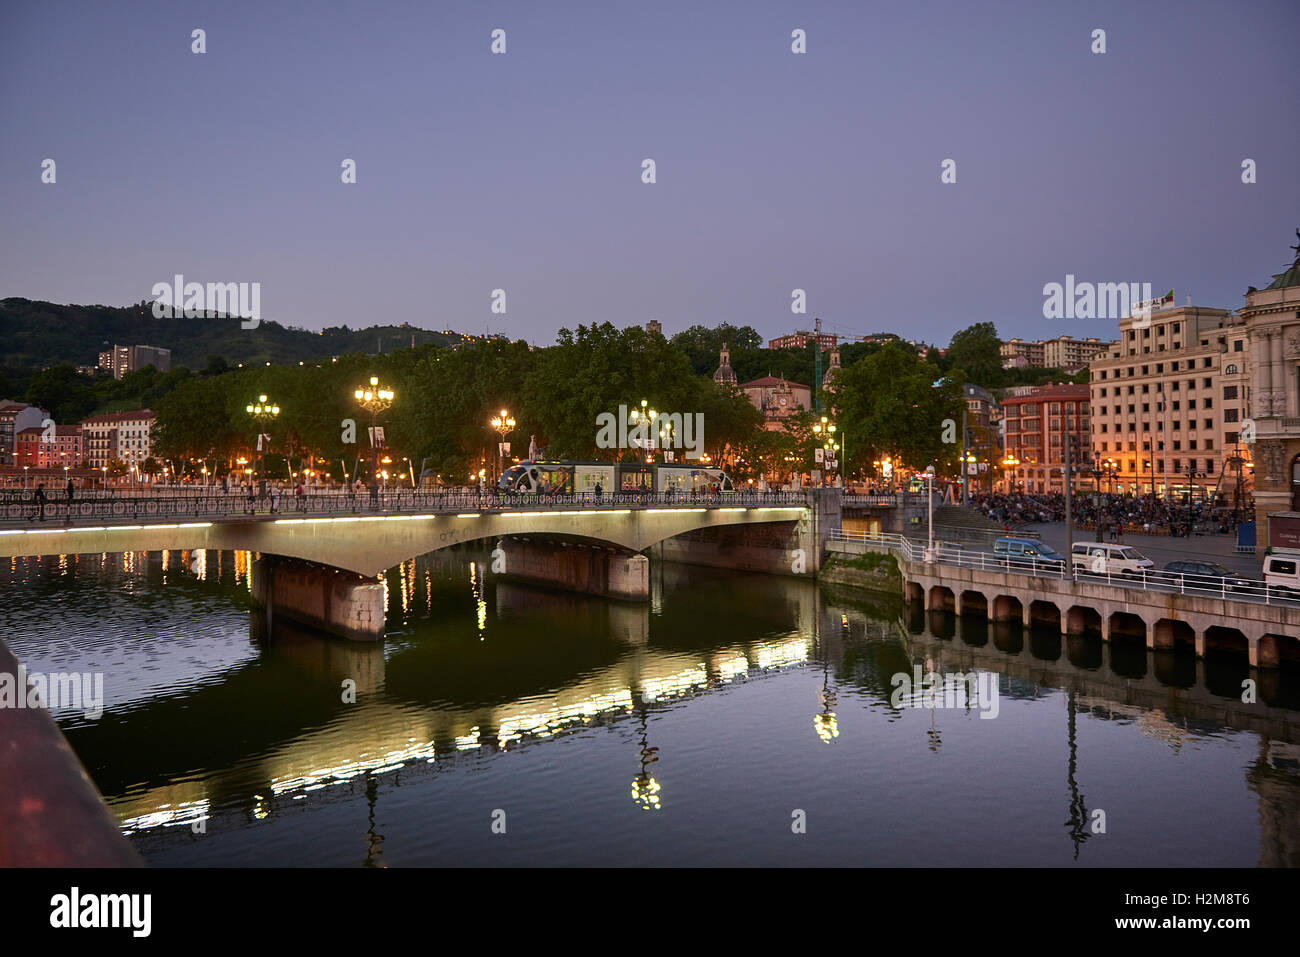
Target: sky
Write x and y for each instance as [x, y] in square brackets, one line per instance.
[774, 170]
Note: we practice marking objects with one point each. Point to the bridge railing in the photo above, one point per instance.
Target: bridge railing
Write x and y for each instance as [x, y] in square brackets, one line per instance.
[1236, 588]
[185, 505]
[871, 499]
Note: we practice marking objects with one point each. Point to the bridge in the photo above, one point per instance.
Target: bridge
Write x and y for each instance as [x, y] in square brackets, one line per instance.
[1159, 609]
[321, 553]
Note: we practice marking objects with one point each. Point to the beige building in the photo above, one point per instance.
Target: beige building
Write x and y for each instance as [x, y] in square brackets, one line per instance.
[1272, 319]
[119, 435]
[1063, 352]
[1169, 400]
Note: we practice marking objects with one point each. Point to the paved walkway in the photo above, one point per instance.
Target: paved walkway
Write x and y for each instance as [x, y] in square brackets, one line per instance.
[1162, 549]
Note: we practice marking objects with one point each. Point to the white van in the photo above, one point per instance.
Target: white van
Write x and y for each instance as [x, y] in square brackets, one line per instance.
[1109, 558]
[1282, 571]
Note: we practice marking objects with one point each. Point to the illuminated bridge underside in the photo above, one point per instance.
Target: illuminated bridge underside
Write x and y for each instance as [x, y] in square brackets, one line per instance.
[368, 545]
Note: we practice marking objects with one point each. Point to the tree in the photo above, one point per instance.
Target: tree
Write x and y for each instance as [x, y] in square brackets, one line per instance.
[892, 403]
[977, 350]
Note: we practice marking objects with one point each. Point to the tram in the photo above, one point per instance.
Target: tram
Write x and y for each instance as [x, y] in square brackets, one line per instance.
[580, 478]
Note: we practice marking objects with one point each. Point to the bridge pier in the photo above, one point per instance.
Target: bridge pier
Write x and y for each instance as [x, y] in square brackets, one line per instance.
[574, 567]
[327, 599]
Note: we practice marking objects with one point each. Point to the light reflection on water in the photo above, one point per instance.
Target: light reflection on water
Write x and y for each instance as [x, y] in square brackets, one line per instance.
[692, 730]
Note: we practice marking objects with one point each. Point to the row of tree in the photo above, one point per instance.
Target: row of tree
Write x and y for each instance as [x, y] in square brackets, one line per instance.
[886, 400]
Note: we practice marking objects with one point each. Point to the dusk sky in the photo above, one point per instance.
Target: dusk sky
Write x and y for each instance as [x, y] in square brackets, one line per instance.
[775, 170]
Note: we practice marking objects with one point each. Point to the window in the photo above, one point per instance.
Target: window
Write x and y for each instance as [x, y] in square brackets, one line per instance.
[1230, 370]
[1237, 346]
[1207, 403]
[1205, 364]
[1209, 424]
[1230, 438]
[1229, 415]
[1208, 383]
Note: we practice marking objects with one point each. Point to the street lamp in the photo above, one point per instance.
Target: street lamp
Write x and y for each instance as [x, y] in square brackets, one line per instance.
[929, 512]
[825, 429]
[263, 412]
[374, 399]
[646, 419]
[1010, 463]
[503, 423]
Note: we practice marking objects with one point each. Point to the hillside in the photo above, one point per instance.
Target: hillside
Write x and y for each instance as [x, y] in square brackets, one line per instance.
[38, 334]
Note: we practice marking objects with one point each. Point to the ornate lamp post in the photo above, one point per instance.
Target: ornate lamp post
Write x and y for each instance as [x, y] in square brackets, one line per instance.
[645, 419]
[374, 399]
[263, 412]
[825, 431]
[503, 423]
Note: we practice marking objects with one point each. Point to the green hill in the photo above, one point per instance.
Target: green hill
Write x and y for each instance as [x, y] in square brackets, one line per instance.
[36, 334]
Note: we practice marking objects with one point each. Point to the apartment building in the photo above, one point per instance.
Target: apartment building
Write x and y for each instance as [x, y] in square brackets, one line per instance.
[1169, 399]
[1063, 352]
[119, 435]
[797, 340]
[123, 359]
[63, 449]
[15, 417]
[1036, 421]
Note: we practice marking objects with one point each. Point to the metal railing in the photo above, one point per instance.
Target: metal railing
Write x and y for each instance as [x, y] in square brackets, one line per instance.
[871, 499]
[1237, 588]
[187, 504]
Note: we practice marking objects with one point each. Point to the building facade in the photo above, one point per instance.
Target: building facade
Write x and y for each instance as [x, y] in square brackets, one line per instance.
[777, 399]
[16, 417]
[1272, 320]
[64, 451]
[1063, 352]
[123, 359]
[127, 436]
[801, 338]
[1169, 401]
[1037, 420]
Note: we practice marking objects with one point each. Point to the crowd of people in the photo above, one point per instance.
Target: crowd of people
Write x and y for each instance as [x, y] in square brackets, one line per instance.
[1115, 513]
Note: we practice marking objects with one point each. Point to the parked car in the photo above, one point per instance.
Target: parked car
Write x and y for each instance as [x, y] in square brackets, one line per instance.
[1210, 574]
[1282, 571]
[1100, 558]
[1026, 551]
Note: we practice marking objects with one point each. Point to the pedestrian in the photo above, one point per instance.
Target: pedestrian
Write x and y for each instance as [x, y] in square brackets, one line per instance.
[599, 491]
[38, 497]
[1119, 532]
[275, 498]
